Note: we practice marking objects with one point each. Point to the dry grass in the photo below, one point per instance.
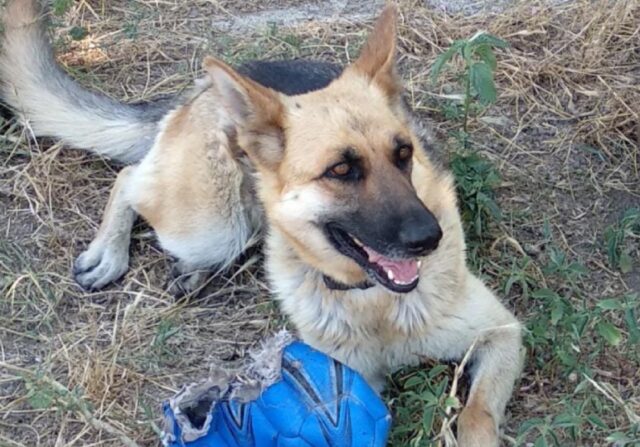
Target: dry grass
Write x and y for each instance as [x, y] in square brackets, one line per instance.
[91, 369]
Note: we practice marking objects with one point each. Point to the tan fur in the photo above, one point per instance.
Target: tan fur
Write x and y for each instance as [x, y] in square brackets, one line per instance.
[195, 187]
[478, 428]
[108, 254]
[377, 58]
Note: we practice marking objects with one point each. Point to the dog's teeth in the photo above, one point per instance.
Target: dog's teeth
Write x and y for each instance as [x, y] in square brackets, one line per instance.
[419, 264]
[390, 275]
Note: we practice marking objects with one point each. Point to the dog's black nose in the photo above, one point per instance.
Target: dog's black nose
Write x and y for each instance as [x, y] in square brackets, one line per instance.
[420, 233]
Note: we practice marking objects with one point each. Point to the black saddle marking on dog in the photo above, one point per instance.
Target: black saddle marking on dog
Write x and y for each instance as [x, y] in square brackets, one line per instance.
[291, 77]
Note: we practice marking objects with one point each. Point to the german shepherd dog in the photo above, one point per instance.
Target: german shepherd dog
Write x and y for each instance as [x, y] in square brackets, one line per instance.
[364, 246]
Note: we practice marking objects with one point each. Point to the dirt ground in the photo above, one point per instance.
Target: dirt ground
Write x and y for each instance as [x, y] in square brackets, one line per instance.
[91, 369]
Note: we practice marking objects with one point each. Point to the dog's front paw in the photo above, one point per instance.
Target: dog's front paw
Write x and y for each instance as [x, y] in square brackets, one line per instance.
[477, 428]
[99, 265]
[183, 283]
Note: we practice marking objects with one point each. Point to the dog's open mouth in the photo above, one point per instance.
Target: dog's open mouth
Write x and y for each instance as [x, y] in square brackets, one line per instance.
[397, 275]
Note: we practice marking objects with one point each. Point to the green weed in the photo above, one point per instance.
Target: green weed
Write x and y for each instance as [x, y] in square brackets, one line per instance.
[419, 399]
[480, 63]
[43, 394]
[166, 330]
[565, 336]
[476, 178]
[61, 6]
[78, 33]
[519, 274]
[580, 415]
[615, 236]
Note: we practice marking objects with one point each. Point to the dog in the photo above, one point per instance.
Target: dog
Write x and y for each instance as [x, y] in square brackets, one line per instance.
[364, 245]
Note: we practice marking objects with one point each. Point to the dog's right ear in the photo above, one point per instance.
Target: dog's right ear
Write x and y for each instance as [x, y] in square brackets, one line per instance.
[256, 111]
[377, 60]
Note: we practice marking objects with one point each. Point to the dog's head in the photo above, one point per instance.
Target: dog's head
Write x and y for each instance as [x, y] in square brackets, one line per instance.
[335, 165]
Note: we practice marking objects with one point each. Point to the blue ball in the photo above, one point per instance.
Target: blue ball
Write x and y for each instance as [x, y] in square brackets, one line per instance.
[318, 402]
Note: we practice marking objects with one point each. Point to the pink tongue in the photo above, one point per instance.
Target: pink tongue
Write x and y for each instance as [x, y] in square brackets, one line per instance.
[404, 271]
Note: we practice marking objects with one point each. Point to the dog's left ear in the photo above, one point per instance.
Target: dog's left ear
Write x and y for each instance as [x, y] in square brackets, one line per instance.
[377, 60]
[256, 112]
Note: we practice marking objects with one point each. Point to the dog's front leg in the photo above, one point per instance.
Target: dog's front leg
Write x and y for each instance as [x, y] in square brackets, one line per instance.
[495, 365]
[107, 257]
[478, 324]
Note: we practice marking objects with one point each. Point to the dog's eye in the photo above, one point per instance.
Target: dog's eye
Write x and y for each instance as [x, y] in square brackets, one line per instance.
[404, 152]
[340, 170]
[344, 171]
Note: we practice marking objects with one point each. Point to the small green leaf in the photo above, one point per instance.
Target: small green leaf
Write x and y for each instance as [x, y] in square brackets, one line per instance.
[429, 398]
[490, 205]
[609, 332]
[632, 325]
[619, 438]
[566, 420]
[610, 304]
[482, 81]
[490, 39]
[631, 218]
[540, 442]
[443, 58]
[467, 51]
[441, 387]
[545, 294]
[412, 382]
[61, 6]
[452, 402]
[78, 33]
[557, 313]
[485, 53]
[40, 400]
[428, 418]
[437, 370]
[529, 425]
[510, 282]
[612, 237]
[625, 262]
[591, 150]
[39, 396]
[596, 421]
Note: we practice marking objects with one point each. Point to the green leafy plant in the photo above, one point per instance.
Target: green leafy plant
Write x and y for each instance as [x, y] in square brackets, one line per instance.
[565, 324]
[61, 6]
[615, 236]
[579, 416]
[78, 33]
[560, 265]
[519, 274]
[480, 64]
[419, 399]
[166, 329]
[476, 178]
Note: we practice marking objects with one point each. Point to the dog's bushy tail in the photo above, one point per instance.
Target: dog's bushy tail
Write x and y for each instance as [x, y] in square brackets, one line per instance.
[52, 104]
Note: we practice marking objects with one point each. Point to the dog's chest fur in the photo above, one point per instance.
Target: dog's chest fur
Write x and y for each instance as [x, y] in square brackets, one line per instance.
[374, 330]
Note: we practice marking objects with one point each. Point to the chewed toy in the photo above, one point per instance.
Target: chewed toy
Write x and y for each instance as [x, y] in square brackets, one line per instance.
[290, 396]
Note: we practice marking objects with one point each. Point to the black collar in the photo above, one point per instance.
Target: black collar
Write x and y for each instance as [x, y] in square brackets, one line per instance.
[335, 285]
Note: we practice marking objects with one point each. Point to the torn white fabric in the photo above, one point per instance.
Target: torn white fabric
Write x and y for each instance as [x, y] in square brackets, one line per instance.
[193, 405]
